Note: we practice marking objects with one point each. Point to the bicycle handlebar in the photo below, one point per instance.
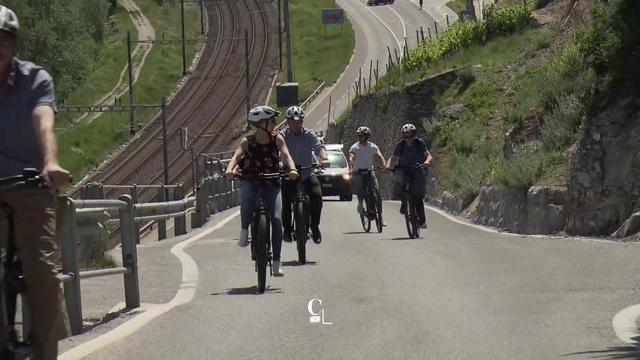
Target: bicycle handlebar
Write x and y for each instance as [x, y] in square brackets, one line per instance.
[30, 179]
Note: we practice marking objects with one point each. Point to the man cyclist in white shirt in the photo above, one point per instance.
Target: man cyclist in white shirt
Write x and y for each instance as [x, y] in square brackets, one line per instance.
[361, 157]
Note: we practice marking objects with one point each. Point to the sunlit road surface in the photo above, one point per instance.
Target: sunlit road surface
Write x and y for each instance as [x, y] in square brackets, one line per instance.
[458, 292]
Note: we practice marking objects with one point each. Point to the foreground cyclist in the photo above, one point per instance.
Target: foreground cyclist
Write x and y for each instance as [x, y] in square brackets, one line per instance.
[361, 157]
[303, 143]
[410, 151]
[259, 153]
[27, 108]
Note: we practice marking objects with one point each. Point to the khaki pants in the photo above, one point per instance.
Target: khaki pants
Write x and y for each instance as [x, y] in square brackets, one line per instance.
[35, 223]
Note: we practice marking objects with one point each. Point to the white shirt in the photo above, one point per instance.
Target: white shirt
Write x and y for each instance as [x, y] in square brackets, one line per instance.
[363, 155]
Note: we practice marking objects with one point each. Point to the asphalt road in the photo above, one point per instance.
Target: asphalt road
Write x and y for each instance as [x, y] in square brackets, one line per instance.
[456, 293]
[376, 28]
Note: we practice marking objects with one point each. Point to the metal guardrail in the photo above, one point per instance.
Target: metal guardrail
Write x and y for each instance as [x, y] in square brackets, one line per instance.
[214, 193]
[313, 95]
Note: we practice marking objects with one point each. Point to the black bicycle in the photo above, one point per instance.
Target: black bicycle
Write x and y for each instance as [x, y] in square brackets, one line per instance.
[410, 202]
[261, 229]
[372, 203]
[13, 279]
[302, 215]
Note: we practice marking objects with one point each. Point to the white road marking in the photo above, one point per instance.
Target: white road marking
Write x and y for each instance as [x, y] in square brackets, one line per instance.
[184, 295]
[404, 26]
[624, 324]
[383, 23]
[506, 233]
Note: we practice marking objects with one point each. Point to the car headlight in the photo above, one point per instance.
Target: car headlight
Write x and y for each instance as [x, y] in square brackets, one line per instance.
[346, 176]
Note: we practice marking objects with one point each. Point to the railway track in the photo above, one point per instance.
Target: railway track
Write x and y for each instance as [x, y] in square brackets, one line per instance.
[212, 103]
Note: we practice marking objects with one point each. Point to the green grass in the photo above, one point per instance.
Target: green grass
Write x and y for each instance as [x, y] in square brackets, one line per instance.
[84, 146]
[457, 5]
[314, 54]
[112, 59]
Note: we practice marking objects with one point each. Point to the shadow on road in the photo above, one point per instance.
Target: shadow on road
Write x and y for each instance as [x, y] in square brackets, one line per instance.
[403, 238]
[356, 232]
[618, 352]
[296, 263]
[251, 290]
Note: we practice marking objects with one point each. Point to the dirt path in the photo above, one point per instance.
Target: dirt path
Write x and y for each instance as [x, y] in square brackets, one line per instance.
[146, 32]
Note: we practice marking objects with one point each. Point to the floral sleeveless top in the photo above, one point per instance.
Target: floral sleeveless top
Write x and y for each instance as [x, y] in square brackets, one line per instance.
[261, 159]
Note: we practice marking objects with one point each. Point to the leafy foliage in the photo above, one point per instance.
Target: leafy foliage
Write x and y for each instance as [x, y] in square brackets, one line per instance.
[63, 36]
[498, 21]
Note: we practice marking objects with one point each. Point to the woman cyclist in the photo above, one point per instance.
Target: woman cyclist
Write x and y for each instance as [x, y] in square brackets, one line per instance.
[259, 153]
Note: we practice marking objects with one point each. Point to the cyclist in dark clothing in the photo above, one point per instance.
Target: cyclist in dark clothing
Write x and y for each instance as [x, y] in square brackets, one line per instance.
[410, 151]
[302, 144]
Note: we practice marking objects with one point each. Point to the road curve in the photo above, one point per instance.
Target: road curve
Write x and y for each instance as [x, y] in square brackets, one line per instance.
[456, 293]
[376, 28]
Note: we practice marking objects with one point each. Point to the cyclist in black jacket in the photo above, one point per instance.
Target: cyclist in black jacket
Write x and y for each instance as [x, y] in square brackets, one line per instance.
[409, 152]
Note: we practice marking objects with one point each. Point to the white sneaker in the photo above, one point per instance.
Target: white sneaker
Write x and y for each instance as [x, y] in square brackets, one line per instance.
[244, 238]
[277, 268]
[360, 208]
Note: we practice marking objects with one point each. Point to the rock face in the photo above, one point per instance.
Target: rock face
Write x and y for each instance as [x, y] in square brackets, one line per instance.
[605, 170]
[385, 113]
[538, 210]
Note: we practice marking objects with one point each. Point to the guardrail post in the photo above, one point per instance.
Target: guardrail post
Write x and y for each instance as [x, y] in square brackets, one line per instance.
[70, 263]
[197, 218]
[134, 198]
[211, 192]
[235, 193]
[129, 252]
[162, 224]
[180, 222]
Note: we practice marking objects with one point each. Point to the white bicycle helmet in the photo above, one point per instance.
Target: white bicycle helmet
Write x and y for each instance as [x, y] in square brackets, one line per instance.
[363, 130]
[260, 113]
[408, 127]
[295, 113]
[8, 20]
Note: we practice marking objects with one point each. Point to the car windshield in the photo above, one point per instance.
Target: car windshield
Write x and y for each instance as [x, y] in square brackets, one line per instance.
[337, 159]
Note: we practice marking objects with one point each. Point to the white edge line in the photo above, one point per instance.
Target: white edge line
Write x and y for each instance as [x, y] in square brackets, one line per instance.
[185, 294]
[624, 324]
[383, 23]
[404, 26]
[506, 233]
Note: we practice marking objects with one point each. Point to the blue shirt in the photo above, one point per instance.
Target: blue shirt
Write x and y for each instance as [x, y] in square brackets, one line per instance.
[28, 87]
[302, 147]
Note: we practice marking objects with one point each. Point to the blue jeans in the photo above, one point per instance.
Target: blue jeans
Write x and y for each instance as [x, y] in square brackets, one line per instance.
[273, 201]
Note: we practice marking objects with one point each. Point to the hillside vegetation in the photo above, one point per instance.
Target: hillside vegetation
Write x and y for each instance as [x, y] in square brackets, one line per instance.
[525, 89]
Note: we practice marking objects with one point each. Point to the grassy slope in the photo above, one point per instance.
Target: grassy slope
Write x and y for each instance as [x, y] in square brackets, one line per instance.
[112, 59]
[85, 146]
[314, 55]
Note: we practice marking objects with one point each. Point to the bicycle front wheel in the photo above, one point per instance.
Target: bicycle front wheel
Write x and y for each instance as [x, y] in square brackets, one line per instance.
[364, 216]
[301, 232]
[262, 239]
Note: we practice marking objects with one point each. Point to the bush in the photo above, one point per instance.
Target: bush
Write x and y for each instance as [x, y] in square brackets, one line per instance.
[62, 36]
[465, 138]
[499, 21]
[561, 124]
[524, 168]
[467, 175]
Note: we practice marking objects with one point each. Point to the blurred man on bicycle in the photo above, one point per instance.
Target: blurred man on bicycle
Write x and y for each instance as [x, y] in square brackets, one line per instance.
[303, 143]
[259, 153]
[361, 157]
[409, 152]
[27, 140]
